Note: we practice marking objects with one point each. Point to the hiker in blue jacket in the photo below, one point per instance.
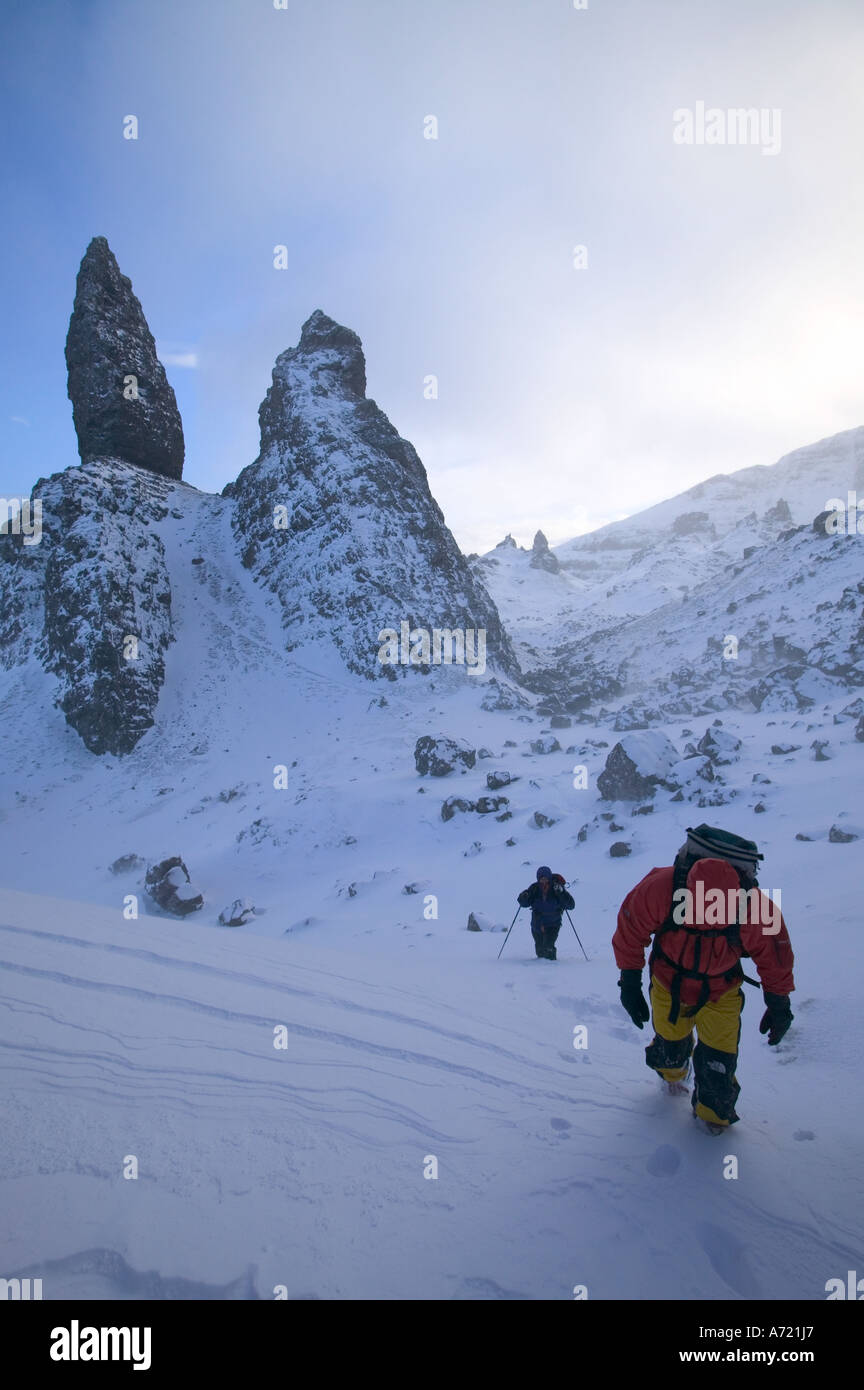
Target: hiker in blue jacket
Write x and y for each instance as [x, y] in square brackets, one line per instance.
[547, 899]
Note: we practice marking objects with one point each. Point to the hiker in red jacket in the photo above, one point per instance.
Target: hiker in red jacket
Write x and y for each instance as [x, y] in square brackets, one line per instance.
[695, 970]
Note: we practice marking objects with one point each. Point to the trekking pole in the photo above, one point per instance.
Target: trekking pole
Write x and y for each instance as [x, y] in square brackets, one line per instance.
[509, 929]
[576, 934]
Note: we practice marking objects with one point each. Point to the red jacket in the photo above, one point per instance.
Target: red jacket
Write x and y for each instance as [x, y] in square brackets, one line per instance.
[648, 905]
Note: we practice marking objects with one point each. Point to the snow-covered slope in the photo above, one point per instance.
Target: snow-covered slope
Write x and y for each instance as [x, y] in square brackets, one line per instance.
[303, 1165]
[633, 567]
[282, 776]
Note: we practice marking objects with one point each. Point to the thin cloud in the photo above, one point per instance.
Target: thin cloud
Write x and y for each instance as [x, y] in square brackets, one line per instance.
[179, 359]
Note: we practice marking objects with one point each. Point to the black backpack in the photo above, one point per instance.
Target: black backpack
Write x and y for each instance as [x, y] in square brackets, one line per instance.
[706, 842]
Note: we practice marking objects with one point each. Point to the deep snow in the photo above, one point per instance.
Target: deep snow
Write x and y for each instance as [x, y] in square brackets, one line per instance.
[303, 1167]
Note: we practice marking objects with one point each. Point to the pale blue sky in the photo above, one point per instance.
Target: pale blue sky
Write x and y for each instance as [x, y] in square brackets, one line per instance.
[719, 321]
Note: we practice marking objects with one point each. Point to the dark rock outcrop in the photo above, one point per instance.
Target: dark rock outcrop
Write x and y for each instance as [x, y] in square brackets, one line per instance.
[542, 557]
[109, 344]
[437, 757]
[93, 599]
[335, 516]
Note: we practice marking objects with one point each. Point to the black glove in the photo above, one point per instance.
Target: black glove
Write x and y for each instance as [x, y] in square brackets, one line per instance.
[632, 998]
[776, 1018]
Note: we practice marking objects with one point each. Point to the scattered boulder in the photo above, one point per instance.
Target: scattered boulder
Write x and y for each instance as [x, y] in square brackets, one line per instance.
[454, 804]
[561, 721]
[819, 755]
[240, 912]
[543, 821]
[719, 745]
[837, 835]
[546, 743]
[636, 766]
[620, 850]
[775, 693]
[859, 730]
[478, 921]
[126, 863]
[487, 805]
[635, 717]
[170, 886]
[437, 757]
[499, 778]
[780, 748]
[713, 798]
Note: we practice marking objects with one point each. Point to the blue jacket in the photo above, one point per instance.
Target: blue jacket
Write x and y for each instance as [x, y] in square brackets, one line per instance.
[546, 912]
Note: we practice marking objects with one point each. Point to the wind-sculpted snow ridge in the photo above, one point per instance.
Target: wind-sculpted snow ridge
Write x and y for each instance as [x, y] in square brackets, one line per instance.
[336, 517]
[92, 600]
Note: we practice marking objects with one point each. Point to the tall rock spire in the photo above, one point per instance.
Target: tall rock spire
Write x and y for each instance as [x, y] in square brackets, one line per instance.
[336, 516]
[122, 403]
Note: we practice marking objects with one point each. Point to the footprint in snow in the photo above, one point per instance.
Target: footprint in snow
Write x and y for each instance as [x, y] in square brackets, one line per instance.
[729, 1259]
[557, 1123]
[664, 1161]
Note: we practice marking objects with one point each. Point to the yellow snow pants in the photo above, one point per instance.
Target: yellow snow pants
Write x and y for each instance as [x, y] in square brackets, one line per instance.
[718, 1029]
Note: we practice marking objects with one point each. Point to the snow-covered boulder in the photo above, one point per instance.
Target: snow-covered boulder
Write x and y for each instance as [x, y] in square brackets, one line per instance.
[499, 778]
[637, 765]
[719, 745]
[170, 886]
[546, 743]
[453, 804]
[437, 757]
[844, 834]
[240, 911]
[126, 863]
[478, 921]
